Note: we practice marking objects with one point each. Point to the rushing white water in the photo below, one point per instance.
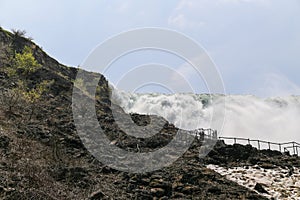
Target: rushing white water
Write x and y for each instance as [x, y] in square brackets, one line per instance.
[273, 119]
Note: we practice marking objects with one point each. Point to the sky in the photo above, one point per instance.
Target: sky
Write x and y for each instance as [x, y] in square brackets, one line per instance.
[254, 44]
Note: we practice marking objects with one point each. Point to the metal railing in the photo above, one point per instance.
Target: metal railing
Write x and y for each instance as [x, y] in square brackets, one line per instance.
[205, 133]
[282, 147]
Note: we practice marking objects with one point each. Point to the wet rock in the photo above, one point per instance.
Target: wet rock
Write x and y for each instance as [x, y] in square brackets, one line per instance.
[189, 189]
[4, 142]
[253, 161]
[145, 180]
[290, 171]
[97, 195]
[177, 186]
[259, 188]
[140, 120]
[214, 190]
[160, 183]
[75, 176]
[268, 166]
[270, 153]
[157, 192]
[179, 195]
[246, 155]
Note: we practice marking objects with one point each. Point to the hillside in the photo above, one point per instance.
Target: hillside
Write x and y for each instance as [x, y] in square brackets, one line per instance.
[42, 156]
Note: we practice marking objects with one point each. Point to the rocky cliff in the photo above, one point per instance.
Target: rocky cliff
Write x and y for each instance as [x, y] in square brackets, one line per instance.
[42, 157]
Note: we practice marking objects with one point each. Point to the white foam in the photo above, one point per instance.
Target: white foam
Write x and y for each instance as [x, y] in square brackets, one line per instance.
[272, 119]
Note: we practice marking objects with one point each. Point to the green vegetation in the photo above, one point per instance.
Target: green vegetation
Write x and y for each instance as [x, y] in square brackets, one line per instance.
[25, 63]
[23, 91]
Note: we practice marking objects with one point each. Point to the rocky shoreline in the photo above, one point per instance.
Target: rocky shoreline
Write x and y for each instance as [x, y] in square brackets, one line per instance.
[276, 183]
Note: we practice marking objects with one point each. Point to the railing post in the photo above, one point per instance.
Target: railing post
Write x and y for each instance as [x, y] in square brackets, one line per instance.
[212, 134]
[280, 147]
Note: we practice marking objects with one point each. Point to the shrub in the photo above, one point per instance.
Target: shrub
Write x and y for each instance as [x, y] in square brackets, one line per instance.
[22, 66]
[19, 33]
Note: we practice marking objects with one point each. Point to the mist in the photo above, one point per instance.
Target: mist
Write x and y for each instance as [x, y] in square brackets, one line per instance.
[273, 119]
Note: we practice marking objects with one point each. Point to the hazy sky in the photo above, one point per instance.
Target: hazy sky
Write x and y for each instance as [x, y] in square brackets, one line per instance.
[254, 43]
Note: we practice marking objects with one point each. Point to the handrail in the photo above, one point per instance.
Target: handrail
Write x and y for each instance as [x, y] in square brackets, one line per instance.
[212, 134]
[295, 145]
[295, 149]
[263, 141]
[202, 133]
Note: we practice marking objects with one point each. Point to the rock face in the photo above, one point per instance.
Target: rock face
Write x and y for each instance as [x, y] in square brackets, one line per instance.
[97, 195]
[4, 142]
[238, 155]
[270, 173]
[44, 158]
[259, 188]
[274, 183]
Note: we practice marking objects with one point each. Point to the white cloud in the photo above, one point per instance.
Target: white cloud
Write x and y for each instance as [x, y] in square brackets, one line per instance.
[197, 77]
[123, 7]
[278, 85]
[178, 21]
[257, 2]
[185, 15]
[181, 21]
[188, 71]
[193, 13]
[185, 4]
